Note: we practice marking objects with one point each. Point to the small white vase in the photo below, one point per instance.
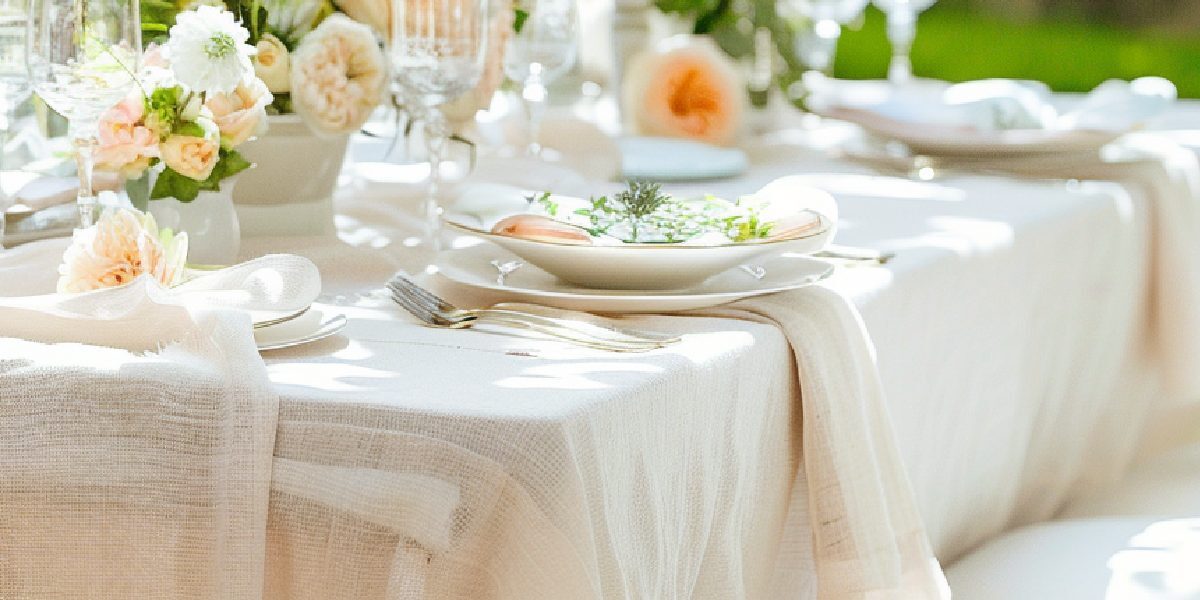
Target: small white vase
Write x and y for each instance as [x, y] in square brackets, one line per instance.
[211, 223]
[290, 189]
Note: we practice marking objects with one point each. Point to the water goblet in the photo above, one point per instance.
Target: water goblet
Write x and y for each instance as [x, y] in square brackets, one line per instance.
[542, 51]
[818, 44]
[437, 50]
[83, 58]
[901, 30]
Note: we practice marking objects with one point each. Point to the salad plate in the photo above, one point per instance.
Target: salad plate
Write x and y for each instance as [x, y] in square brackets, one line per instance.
[672, 245]
[315, 323]
[472, 267]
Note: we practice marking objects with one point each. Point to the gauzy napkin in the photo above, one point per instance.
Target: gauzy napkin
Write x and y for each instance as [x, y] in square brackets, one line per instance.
[145, 316]
[1000, 104]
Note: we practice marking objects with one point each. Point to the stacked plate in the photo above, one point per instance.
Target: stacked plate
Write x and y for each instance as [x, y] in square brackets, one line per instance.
[274, 330]
[488, 267]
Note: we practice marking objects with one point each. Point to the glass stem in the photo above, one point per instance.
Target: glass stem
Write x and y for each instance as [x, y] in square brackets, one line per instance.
[533, 95]
[85, 158]
[435, 142]
[902, 29]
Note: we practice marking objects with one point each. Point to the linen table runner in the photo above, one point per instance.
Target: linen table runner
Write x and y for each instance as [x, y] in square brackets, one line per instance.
[868, 540]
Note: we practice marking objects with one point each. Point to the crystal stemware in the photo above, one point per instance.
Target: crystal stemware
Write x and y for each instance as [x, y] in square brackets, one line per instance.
[542, 51]
[901, 30]
[825, 17]
[437, 50]
[14, 76]
[83, 57]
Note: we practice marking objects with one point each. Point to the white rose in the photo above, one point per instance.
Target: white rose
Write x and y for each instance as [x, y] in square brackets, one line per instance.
[338, 76]
[272, 64]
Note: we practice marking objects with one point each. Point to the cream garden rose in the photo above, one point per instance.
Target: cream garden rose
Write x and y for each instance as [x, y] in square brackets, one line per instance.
[123, 245]
[273, 65]
[338, 76]
[241, 114]
[193, 156]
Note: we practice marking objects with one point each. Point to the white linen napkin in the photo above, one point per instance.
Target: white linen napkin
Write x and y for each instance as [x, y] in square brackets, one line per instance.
[999, 104]
[145, 316]
[868, 538]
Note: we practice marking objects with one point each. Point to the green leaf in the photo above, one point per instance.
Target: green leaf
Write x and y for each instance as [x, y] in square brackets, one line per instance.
[520, 15]
[190, 129]
[170, 184]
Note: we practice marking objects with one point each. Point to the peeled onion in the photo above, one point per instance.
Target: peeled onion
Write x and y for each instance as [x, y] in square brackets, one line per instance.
[542, 229]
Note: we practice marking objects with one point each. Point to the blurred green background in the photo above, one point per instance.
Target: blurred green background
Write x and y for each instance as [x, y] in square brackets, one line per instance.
[1072, 45]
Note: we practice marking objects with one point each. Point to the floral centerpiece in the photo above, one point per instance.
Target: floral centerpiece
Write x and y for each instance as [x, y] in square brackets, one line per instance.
[199, 99]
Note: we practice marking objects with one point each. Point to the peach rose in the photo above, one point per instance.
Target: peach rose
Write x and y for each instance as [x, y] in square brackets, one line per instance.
[241, 114]
[376, 14]
[338, 76]
[123, 245]
[193, 156]
[272, 64]
[685, 88]
[124, 144]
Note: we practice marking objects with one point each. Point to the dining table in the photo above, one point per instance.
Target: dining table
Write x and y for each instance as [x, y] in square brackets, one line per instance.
[1034, 332]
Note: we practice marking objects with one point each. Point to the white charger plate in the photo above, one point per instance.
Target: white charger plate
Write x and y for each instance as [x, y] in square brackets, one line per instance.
[316, 323]
[471, 267]
[943, 140]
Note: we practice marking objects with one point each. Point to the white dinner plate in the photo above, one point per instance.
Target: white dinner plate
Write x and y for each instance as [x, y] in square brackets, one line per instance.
[318, 322]
[668, 159]
[471, 267]
[949, 141]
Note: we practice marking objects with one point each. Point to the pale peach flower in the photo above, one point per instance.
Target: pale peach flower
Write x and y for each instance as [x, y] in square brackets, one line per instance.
[687, 88]
[376, 14]
[193, 156]
[123, 245]
[338, 76]
[154, 57]
[272, 64]
[463, 109]
[242, 113]
[125, 145]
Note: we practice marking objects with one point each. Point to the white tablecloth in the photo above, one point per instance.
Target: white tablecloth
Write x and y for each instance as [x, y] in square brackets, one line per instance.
[1011, 335]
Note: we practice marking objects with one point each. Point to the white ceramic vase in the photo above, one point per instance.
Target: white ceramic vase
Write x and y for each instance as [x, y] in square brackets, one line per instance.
[211, 223]
[290, 189]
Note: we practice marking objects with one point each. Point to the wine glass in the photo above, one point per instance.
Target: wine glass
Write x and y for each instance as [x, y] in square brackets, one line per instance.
[901, 30]
[14, 78]
[825, 17]
[542, 51]
[437, 50]
[83, 58]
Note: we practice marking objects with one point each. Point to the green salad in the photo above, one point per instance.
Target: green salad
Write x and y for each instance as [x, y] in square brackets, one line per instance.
[642, 213]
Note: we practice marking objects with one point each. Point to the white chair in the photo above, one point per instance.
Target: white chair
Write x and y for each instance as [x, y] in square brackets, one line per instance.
[1136, 540]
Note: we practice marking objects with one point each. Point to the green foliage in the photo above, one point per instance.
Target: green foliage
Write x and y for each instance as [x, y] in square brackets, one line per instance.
[641, 213]
[520, 15]
[157, 18]
[171, 184]
[958, 44]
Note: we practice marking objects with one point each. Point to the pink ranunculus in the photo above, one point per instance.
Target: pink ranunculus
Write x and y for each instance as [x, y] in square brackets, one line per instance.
[125, 144]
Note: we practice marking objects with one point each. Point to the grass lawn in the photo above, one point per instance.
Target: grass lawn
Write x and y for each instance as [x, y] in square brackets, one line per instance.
[957, 45]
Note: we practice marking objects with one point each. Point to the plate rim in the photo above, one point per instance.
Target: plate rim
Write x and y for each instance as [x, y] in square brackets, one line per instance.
[648, 295]
[998, 142]
[326, 328]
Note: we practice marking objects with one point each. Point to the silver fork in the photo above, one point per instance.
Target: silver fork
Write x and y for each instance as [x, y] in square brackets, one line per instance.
[437, 312]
